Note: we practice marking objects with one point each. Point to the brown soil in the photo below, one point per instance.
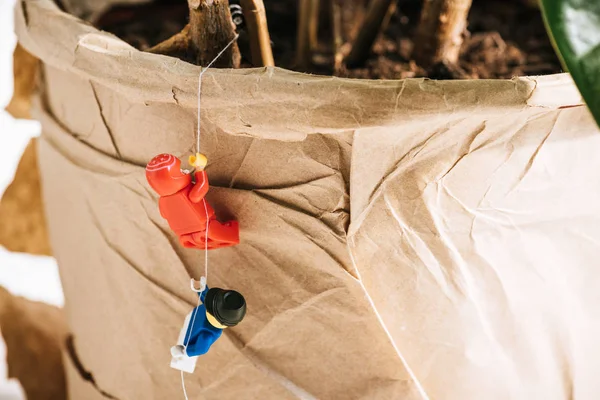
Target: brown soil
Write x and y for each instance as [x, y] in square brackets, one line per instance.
[505, 38]
[146, 25]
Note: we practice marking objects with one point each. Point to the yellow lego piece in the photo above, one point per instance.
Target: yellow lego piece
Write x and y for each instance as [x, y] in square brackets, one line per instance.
[198, 161]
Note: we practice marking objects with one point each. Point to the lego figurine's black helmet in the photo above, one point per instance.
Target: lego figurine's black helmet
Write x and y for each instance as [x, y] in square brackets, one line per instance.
[227, 306]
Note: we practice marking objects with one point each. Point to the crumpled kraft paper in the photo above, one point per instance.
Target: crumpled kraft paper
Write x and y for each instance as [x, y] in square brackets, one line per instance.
[399, 239]
[34, 334]
[23, 227]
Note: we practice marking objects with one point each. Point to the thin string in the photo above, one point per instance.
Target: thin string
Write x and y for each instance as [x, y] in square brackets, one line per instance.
[202, 71]
[205, 247]
[183, 386]
[203, 286]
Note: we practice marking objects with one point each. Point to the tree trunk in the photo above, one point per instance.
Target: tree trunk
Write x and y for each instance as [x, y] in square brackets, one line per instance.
[440, 32]
[211, 29]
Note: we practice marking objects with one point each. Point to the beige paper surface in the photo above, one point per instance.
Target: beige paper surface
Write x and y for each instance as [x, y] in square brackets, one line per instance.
[399, 239]
[34, 334]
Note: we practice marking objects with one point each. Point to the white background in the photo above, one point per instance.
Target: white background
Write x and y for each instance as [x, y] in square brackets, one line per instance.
[24, 275]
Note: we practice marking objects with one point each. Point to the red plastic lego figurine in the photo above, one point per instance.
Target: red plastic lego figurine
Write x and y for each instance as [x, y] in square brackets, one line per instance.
[183, 205]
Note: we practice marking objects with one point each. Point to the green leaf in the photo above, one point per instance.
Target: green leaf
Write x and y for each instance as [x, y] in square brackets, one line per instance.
[574, 27]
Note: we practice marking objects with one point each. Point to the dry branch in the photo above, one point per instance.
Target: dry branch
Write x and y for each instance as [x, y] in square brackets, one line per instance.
[178, 45]
[440, 32]
[258, 30]
[209, 31]
[337, 35]
[308, 25]
[313, 25]
[372, 25]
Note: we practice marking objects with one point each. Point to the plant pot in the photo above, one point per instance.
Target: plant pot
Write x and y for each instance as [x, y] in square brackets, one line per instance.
[399, 239]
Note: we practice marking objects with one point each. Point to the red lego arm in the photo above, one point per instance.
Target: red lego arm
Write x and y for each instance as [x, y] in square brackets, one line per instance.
[200, 188]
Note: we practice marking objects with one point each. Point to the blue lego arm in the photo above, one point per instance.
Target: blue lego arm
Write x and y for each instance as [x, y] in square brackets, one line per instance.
[201, 344]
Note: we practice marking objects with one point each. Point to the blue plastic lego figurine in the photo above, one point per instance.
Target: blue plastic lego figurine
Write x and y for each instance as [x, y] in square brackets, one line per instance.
[218, 310]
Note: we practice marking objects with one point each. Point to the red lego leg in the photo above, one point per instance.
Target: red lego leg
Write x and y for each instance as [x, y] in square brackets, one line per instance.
[219, 235]
[196, 241]
[228, 233]
[188, 241]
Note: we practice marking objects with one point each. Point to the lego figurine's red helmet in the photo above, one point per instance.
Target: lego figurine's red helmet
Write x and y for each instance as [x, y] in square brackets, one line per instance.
[165, 176]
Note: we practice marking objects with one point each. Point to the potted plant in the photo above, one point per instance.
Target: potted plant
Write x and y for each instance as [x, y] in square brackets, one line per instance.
[400, 238]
